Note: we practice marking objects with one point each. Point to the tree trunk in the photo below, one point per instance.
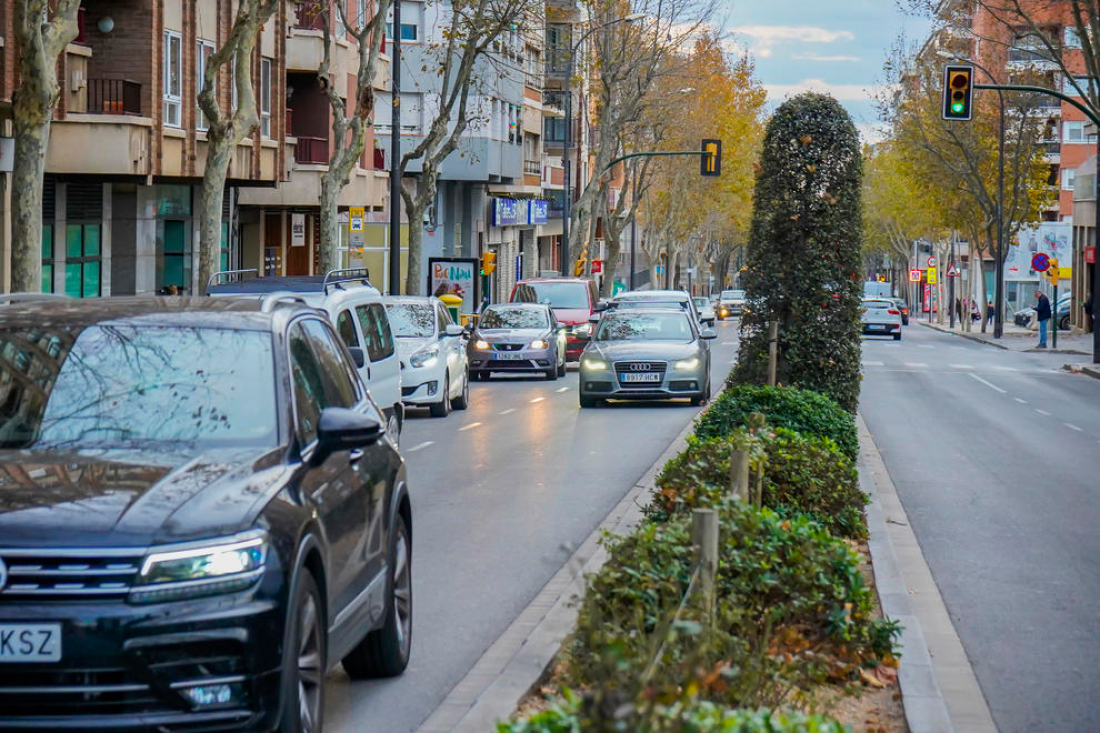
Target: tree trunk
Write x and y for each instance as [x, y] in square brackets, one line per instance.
[415, 206]
[32, 134]
[218, 151]
[330, 227]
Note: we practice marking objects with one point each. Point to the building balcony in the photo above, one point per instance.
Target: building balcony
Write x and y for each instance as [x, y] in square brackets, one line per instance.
[113, 97]
[532, 167]
[309, 17]
[311, 151]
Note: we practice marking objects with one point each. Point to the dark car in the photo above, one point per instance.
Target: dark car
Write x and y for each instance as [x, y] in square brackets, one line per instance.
[200, 515]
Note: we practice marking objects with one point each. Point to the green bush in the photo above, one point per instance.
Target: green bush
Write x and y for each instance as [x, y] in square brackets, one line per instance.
[793, 611]
[801, 410]
[566, 716]
[801, 476]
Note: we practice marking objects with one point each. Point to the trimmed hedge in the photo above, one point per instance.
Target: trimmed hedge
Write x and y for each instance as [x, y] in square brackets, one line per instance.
[801, 410]
[793, 611]
[802, 475]
[565, 716]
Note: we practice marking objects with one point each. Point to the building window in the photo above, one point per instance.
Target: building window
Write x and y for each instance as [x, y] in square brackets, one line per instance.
[47, 258]
[83, 261]
[265, 97]
[1068, 88]
[1069, 175]
[202, 56]
[174, 265]
[411, 117]
[360, 14]
[173, 77]
[1071, 37]
[409, 31]
[1073, 132]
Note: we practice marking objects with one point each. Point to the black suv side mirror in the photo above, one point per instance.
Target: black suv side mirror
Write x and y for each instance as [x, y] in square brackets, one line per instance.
[358, 357]
[342, 429]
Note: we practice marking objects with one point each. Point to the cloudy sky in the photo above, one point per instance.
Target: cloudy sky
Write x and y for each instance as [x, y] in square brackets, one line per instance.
[834, 46]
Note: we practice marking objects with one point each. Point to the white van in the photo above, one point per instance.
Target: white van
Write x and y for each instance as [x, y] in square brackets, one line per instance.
[355, 308]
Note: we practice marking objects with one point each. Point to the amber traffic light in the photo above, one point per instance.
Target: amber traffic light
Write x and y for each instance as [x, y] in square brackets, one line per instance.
[711, 159]
[488, 263]
[958, 92]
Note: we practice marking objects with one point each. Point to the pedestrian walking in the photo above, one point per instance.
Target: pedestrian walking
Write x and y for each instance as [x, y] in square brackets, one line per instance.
[990, 312]
[1090, 317]
[1042, 313]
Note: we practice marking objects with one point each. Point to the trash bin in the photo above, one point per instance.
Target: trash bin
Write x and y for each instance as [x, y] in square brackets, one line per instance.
[453, 303]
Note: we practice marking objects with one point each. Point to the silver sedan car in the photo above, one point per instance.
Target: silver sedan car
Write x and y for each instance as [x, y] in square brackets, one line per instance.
[646, 354]
[517, 337]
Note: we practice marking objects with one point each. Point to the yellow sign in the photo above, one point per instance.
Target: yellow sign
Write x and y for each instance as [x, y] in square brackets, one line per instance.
[932, 276]
[356, 214]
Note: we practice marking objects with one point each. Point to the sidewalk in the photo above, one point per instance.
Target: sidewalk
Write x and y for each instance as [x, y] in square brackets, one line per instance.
[1016, 338]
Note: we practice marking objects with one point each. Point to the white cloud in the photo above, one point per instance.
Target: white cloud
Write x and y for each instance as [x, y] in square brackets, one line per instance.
[769, 34]
[840, 92]
[823, 59]
[871, 132]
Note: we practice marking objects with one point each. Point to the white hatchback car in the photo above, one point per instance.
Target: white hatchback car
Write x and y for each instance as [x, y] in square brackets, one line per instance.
[881, 318]
[355, 308]
[434, 369]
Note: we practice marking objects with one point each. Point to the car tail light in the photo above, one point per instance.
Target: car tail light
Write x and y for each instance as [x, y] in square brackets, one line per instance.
[894, 312]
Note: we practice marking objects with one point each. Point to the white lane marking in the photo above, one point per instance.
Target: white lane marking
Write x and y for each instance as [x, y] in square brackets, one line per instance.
[961, 366]
[1042, 412]
[873, 363]
[422, 446]
[505, 412]
[471, 426]
[538, 399]
[925, 346]
[1006, 369]
[563, 389]
[915, 364]
[1022, 402]
[987, 384]
[1071, 426]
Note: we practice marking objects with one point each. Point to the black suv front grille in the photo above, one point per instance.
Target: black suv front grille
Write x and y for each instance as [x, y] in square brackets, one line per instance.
[69, 574]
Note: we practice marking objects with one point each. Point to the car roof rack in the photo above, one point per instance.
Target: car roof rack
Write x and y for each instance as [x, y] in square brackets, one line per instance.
[270, 300]
[30, 297]
[339, 278]
[215, 279]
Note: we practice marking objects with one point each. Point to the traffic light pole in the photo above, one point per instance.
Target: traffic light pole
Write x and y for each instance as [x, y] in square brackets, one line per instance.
[1095, 119]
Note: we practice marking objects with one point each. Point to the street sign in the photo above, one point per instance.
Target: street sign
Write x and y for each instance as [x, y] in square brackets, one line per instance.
[660, 269]
[932, 276]
[1040, 262]
[914, 276]
[931, 261]
[597, 267]
[1090, 255]
[356, 215]
[953, 271]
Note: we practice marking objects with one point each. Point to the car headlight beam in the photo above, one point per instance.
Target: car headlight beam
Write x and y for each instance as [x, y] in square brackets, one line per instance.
[686, 364]
[481, 345]
[593, 364]
[220, 566]
[425, 357]
[538, 344]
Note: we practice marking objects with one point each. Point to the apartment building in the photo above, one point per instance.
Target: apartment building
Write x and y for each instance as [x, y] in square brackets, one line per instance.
[283, 223]
[128, 144]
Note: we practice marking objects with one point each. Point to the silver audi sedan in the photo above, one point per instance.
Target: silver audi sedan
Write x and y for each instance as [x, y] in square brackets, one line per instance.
[646, 354]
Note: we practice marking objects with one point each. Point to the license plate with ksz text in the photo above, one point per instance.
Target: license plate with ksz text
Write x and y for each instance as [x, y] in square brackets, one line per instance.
[30, 643]
[641, 377]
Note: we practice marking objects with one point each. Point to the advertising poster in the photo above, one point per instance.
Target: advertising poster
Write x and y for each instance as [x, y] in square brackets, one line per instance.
[297, 230]
[454, 276]
[1052, 238]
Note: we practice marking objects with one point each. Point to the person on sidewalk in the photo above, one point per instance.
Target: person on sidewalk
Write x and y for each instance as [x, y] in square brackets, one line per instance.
[1042, 313]
[1090, 318]
[989, 312]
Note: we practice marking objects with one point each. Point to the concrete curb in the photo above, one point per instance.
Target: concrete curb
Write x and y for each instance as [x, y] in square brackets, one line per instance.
[1088, 371]
[492, 689]
[994, 344]
[939, 690]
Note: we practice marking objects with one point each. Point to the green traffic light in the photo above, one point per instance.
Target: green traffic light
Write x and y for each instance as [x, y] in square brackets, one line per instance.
[957, 107]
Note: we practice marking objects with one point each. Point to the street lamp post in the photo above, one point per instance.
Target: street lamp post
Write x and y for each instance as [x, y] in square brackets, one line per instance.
[567, 209]
[395, 157]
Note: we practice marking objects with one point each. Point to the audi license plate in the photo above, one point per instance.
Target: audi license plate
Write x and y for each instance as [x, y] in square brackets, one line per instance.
[508, 356]
[30, 643]
[640, 377]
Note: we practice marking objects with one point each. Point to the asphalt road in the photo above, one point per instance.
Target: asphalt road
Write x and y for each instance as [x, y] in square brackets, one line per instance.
[502, 493]
[996, 458]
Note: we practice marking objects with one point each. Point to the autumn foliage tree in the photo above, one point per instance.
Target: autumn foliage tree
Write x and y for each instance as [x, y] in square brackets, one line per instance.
[804, 252]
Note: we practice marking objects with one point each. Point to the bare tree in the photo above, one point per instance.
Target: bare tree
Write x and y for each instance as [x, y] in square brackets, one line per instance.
[473, 26]
[348, 131]
[39, 40]
[226, 131]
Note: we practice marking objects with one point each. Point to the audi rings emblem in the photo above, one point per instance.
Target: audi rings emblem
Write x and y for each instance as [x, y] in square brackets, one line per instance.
[640, 367]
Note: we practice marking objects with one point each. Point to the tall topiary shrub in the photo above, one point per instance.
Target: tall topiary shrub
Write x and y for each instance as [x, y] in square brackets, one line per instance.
[804, 267]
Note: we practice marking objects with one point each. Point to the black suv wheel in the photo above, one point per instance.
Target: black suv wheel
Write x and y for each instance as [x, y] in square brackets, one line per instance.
[304, 660]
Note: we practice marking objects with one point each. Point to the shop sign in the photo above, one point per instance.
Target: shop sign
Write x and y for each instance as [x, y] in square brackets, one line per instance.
[506, 212]
[355, 216]
[297, 230]
[539, 211]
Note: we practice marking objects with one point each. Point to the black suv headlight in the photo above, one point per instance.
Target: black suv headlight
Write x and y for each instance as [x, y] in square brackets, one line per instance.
[196, 569]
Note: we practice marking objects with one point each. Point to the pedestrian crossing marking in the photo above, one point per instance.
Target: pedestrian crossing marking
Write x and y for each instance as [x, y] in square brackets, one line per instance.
[1006, 368]
[915, 364]
[961, 366]
[873, 363]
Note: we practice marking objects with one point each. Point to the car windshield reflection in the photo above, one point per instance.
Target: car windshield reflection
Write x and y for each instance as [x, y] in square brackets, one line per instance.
[636, 326]
[411, 320]
[513, 318]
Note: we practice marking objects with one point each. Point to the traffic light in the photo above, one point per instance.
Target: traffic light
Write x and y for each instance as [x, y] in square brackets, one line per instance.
[710, 163]
[488, 263]
[1052, 271]
[958, 92]
[581, 263]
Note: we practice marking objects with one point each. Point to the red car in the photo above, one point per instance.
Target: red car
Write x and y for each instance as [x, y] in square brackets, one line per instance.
[573, 301]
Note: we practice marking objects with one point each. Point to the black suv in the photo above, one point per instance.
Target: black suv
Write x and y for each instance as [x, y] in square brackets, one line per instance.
[200, 515]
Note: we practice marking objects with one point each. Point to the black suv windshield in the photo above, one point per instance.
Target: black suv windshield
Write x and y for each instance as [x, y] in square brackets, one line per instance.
[513, 318]
[572, 295]
[628, 326]
[107, 386]
[411, 320]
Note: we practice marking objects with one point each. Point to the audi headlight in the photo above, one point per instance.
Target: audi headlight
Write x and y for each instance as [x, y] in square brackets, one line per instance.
[189, 571]
[685, 364]
[425, 357]
[481, 345]
[538, 344]
[594, 364]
